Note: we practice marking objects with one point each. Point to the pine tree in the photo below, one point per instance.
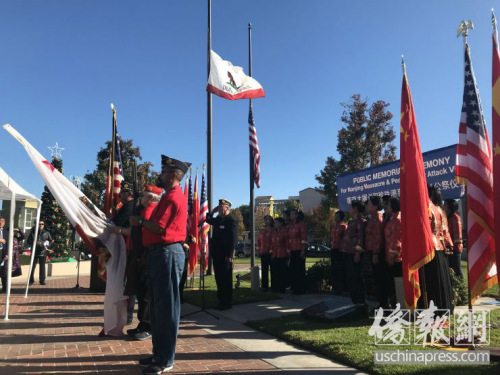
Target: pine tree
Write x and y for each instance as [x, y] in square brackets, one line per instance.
[55, 220]
[365, 140]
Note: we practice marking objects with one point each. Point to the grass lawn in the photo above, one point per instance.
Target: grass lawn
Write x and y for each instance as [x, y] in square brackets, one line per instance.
[243, 294]
[492, 292]
[309, 261]
[350, 344]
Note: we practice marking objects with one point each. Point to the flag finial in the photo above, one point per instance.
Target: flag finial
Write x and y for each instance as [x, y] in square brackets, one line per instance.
[493, 19]
[403, 64]
[249, 25]
[203, 166]
[113, 107]
[463, 28]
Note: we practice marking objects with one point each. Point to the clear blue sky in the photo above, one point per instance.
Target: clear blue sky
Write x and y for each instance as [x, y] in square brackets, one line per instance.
[63, 63]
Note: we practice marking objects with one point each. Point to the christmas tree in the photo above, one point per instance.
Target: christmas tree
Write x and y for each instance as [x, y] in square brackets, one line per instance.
[55, 220]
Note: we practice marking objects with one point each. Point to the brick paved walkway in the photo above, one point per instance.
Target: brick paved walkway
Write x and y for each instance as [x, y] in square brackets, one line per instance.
[55, 330]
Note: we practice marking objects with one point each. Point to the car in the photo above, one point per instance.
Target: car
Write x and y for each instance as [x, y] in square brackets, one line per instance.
[242, 250]
[317, 251]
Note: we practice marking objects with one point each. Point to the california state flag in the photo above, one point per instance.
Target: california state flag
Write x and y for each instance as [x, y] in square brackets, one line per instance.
[90, 224]
[230, 82]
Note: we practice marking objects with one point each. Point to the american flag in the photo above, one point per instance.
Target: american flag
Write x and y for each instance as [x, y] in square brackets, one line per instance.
[495, 117]
[115, 173]
[205, 227]
[474, 168]
[254, 147]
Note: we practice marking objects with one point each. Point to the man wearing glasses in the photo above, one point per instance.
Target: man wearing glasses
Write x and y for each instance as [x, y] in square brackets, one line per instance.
[41, 250]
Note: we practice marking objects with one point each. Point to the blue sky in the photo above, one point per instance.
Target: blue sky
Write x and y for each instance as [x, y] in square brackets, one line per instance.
[63, 63]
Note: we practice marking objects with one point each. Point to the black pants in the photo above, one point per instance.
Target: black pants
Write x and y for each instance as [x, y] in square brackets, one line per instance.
[455, 260]
[224, 280]
[41, 272]
[279, 273]
[338, 271]
[265, 260]
[354, 278]
[438, 283]
[297, 272]
[380, 276]
[143, 313]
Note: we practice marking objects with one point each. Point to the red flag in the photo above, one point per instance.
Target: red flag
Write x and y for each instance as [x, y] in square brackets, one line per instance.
[474, 168]
[416, 235]
[205, 227]
[193, 228]
[496, 135]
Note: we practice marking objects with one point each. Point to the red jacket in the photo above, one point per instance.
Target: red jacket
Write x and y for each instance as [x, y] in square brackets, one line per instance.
[338, 232]
[297, 236]
[374, 233]
[280, 243]
[455, 225]
[392, 233]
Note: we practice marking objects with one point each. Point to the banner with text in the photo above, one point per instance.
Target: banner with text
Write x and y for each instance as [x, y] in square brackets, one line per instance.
[384, 179]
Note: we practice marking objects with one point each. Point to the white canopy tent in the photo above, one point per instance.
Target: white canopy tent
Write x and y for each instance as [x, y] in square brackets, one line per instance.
[11, 191]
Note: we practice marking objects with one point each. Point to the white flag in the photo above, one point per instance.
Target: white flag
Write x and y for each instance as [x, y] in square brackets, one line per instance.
[90, 224]
[230, 82]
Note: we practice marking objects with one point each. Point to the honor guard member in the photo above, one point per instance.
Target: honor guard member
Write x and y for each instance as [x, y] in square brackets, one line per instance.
[297, 238]
[136, 273]
[224, 240]
[338, 269]
[393, 254]
[121, 219]
[279, 251]
[373, 257]
[437, 271]
[455, 226]
[264, 243]
[164, 234]
[352, 249]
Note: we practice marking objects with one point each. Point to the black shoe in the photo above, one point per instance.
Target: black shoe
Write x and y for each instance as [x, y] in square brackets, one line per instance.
[42, 282]
[145, 362]
[132, 332]
[156, 369]
[32, 282]
[141, 336]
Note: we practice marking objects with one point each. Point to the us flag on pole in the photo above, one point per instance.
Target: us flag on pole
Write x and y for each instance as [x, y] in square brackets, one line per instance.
[474, 169]
[115, 173]
[254, 148]
[205, 227]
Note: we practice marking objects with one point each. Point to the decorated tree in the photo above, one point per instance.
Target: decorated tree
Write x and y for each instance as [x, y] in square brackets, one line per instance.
[55, 220]
[365, 140]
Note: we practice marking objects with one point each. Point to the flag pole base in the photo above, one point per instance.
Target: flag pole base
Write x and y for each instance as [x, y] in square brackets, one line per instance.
[255, 278]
